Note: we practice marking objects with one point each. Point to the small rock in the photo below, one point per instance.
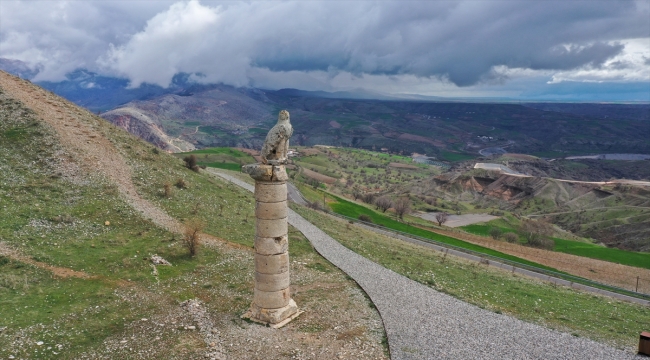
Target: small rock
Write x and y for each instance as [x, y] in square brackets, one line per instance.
[39, 343]
[107, 223]
[157, 260]
[191, 328]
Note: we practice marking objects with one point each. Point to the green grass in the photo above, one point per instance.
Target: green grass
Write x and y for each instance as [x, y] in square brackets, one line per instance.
[452, 156]
[599, 318]
[630, 258]
[60, 221]
[218, 150]
[584, 249]
[222, 165]
[350, 209]
[484, 230]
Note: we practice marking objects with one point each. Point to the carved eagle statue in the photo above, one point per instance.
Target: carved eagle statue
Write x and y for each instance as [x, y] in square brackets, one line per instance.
[276, 145]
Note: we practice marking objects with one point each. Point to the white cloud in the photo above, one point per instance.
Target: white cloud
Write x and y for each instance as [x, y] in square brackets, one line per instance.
[436, 48]
[631, 65]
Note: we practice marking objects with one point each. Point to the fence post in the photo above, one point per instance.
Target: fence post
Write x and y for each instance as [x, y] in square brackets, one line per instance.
[637, 284]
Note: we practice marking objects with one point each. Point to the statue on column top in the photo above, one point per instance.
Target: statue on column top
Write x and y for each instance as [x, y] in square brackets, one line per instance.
[276, 145]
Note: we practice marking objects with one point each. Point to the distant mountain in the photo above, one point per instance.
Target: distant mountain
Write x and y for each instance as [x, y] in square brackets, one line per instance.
[199, 116]
[187, 115]
[358, 94]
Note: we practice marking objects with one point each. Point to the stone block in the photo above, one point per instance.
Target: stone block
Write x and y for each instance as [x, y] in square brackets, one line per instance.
[271, 210]
[273, 316]
[259, 171]
[271, 246]
[270, 192]
[280, 173]
[271, 228]
[272, 299]
[272, 282]
[272, 264]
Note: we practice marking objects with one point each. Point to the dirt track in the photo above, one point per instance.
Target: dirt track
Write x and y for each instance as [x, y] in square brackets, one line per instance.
[78, 133]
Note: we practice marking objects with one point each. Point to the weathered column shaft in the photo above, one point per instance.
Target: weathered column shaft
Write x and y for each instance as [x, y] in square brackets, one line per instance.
[271, 245]
[272, 303]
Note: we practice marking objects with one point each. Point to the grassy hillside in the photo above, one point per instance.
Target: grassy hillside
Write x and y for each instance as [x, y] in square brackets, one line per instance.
[75, 276]
[219, 157]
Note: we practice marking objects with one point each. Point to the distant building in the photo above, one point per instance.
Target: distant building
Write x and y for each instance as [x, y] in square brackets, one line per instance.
[424, 159]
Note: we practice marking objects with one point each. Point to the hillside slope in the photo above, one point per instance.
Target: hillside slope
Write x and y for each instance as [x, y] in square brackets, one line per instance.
[616, 214]
[83, 211]
[210, 116]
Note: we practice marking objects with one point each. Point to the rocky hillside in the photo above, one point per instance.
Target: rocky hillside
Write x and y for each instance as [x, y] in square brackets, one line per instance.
[198, 117]
[617, 215]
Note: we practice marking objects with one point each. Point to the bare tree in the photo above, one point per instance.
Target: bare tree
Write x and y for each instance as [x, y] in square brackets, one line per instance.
[441, 218]
[192, 235]
[402, 206]
[511, 237]
[368, 198]
[356, 193]
[537, 233]
[384, 203]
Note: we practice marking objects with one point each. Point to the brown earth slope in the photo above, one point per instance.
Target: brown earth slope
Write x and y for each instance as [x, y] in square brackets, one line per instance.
[79, 132]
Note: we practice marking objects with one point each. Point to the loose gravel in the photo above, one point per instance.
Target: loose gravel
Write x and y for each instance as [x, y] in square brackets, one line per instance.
[422, 323]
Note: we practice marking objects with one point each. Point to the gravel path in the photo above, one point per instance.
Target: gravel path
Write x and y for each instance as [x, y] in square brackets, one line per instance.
[422, 323]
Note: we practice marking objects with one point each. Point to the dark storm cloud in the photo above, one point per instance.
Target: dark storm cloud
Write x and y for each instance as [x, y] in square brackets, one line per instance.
[460, 41]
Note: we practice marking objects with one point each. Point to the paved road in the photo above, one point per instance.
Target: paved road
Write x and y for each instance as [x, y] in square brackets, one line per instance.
[422, 323]
[294, 194]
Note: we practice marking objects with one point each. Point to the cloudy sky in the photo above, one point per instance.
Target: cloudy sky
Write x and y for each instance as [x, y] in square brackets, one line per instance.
[533, 49]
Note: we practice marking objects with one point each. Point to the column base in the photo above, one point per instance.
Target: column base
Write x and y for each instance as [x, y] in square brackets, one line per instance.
[275, 318]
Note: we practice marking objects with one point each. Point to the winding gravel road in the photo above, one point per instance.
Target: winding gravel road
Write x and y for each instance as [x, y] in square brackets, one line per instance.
[422, 323]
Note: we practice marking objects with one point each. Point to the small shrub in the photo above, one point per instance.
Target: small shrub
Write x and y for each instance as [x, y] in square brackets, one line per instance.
[181, 184]
[511, 237]
[190, 163]
[364, 217]
[314, 205]
[542, 243]
[495, 232]
[167, 190]
[192, 235]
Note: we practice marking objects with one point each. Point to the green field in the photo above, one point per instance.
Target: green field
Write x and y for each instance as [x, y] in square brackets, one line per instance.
[579, 248]
[452, 156]
[220, 157]
[593, 251]
[352, 210]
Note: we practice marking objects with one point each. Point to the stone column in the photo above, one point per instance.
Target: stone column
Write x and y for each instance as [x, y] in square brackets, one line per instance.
[272, 303]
